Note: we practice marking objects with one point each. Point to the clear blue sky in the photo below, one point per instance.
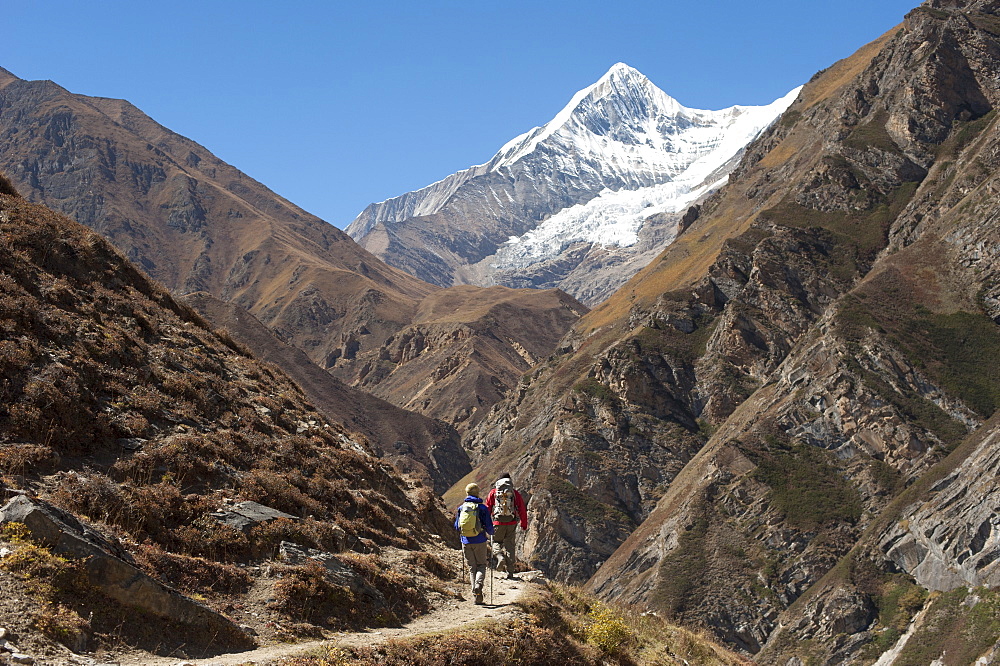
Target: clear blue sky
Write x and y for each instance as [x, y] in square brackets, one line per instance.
[337, 104]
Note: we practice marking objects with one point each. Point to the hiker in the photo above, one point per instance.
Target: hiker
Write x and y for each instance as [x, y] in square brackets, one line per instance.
[507, 508]
[473, 522]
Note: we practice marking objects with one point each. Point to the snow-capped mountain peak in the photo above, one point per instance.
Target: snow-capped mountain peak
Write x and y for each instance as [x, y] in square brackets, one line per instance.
[620, 151]
[619, 99]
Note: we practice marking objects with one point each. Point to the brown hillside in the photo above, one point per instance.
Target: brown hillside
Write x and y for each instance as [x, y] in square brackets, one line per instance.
[197, 224]
[120, 406]
[415, 444]
[466, 348]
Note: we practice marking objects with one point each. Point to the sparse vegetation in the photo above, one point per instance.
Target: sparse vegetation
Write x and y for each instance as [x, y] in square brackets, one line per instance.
[958, 351]
[592, 387]
[145, 423]
[872, 134]
[963, 624]
[682, 568]
[808, 491]
[582, 505]
[564, 625]
[857, 235]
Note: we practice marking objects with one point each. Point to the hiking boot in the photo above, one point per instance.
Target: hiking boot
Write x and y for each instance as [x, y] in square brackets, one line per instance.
[479, 599]
[511, 576]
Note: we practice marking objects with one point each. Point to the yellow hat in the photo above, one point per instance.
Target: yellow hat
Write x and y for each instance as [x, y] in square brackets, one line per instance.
[472, 489]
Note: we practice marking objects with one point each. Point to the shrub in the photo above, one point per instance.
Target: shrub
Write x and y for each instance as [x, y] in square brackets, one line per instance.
[64, 625]
[304, 593]
[432, 564]
[806, 488]
[606, 629]
[48, 575]
[193, 574]
[595, 389]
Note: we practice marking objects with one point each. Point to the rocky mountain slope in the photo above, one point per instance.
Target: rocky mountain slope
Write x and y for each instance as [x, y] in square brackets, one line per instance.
[197, 224]
[172, 497]
[425, 448]
[182, 459]
[771, 430]
[581, 203]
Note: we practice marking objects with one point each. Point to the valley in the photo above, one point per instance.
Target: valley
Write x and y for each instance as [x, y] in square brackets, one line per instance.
[743, 365]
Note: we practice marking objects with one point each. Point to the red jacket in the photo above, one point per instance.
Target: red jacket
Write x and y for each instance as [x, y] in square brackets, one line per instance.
[522, 510]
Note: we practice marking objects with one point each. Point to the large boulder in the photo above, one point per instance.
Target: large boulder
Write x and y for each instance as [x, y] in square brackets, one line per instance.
[110, 569]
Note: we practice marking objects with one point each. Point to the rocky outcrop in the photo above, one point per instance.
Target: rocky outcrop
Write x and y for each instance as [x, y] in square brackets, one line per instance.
[809, 338]
[111, 570]
[952, 539]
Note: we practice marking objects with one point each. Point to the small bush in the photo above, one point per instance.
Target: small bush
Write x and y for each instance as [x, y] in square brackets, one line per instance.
[432, 564]
[305, 594]
[806, 488]
[6, 187]
[193, 574]
[595, 389]
[48, 575]
[606, 629]
[64, 625]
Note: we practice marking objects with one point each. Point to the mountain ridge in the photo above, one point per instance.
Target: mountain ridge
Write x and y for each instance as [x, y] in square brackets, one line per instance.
[737, 425]
[200, 225]
[620, 163]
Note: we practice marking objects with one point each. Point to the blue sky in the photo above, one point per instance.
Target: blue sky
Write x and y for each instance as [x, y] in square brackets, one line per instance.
[337, 104]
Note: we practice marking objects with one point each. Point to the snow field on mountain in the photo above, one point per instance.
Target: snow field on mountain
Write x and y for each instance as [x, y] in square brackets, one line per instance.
[614, 218]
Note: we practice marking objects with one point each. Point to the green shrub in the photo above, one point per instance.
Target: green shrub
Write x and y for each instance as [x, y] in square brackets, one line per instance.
[595, 389]
[606, 629]
[807, 490]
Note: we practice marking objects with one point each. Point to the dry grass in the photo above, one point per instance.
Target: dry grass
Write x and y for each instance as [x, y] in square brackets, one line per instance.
[122, 407]
[831, 80]
[560, 625]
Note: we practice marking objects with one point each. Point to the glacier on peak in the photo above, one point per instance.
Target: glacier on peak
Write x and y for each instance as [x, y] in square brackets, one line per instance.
[620, 151]
[613, 217]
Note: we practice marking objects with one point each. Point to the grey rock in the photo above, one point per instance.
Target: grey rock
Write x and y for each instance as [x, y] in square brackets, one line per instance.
[131, 443]
[953, 539]
[61, 530]
[338, 573]
[109, 568]
[536, 577]
[244, 515]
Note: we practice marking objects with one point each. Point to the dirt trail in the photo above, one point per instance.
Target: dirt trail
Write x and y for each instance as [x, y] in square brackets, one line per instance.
[450, 614]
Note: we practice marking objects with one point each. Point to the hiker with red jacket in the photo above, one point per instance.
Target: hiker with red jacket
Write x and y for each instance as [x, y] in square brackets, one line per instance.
[507, 507]
[473, 522]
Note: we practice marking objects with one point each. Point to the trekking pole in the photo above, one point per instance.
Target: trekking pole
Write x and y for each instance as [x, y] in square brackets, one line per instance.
[491, 569]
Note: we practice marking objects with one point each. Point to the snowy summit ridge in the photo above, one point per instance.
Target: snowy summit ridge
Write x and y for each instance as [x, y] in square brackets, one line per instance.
[620, 152]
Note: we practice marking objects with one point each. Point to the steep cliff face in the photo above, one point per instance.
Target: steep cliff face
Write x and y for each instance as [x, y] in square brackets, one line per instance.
[197, 224]
[804, 352]
[581, 203]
